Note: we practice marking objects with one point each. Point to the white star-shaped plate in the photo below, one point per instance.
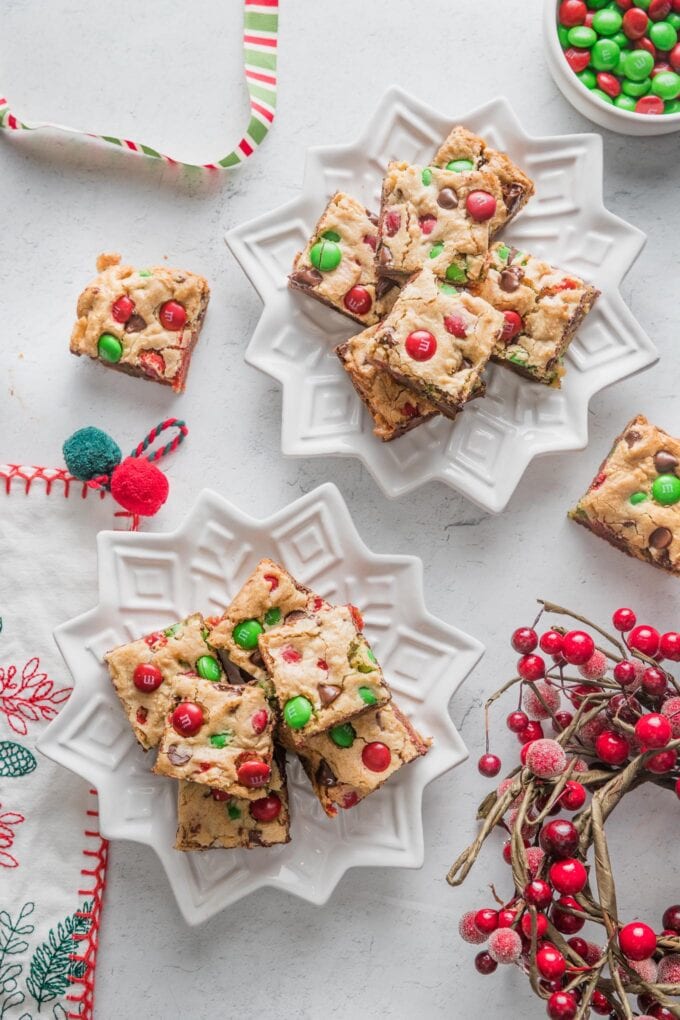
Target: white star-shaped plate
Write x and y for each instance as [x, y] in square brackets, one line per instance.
[486, 451]
[150, 580]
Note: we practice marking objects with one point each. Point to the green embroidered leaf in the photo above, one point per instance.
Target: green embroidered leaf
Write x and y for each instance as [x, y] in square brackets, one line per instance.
[10, 943]
[51, 964]
[15, 999]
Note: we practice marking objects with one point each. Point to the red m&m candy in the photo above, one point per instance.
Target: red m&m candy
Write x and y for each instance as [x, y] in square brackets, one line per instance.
[572, 12]
[147, 677]
[512, 325]
[187, 718]
[376, 756]
[266, 809]
[173, 316]
[455, 326]
[649, 104]
[253, 773]
[578, 60]
[421, 345]
[122, 308]
[480, 205]
[358, 300]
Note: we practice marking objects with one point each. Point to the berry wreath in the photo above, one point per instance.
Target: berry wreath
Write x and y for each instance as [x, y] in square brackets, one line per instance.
[622, 730]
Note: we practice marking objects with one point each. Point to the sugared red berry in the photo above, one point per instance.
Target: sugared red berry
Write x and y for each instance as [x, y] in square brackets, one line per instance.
[266, 809]
[644, 639]
[568, 876]
[147, 677]
[612, 747]
[489, 765]
[505, 945]
[566, 922]
[531, 667]
[546, 758]
[624, 619]
[172, 316]
[577, 647]
[559, 838]
[671, 709]
[595, 668]
[637, 941]
[468, 930]
[653, 730]
[187, 718]
[541, 700]
[516, 721]
[420, 345]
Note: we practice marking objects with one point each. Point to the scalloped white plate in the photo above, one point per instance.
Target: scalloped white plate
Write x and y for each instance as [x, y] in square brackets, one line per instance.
[486, 451]
[148, 581]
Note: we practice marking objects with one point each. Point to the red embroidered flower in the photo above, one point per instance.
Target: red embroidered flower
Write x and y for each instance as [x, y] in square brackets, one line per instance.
[7, 820]
[29, 698]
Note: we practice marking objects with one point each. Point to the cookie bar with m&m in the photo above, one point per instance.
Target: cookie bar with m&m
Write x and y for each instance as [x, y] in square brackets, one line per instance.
[543, 308]
[464, 152]
[394, 408]
[634, 500]
[438, 218]
[437, 341]
[219, 735]
[144, 673]
[323, 672]
[354, 759]
[208, 818]
[145, 322]
[268, 598]
[337, 266]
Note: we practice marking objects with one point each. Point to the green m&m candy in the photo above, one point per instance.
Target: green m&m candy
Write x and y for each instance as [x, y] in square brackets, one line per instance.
[272, 616]
[638, 65]
[436, 250]
[636, 88]
[297, 712]
[625, 103]
[455, 274]
[588, 77]
[602, 95]
[621, 40]
[426, 176]
[674, 20]
[246, 633]
[343, 735]
[637, 497]
[597, 5]
[605, 55]
[461, 166]
[673, 106]
[220, 740]
[607, 22]
[666, 489]
[563, 36]
[666, 85]
[582, 37]
[367, 696]
[110, 348]
[325, 255]
[663, 35]
[208, 668]
[331, 235]
[233, 811]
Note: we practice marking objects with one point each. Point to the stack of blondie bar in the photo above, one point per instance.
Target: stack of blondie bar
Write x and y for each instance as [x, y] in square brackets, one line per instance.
[437, 294]
[224, 698]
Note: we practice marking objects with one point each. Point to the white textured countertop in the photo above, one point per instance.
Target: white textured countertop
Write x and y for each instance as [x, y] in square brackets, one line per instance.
[169, 74]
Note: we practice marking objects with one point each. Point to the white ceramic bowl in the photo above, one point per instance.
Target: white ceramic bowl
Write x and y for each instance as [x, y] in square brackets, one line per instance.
[590, 106]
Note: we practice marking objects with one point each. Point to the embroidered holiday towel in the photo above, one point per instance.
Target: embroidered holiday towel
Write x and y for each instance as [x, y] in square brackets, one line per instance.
[52, 858]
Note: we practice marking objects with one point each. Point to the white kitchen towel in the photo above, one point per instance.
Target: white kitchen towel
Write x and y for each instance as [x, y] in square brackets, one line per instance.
[52, 858]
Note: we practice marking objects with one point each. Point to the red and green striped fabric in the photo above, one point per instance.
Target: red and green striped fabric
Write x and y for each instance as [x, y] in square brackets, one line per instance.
[260, 39]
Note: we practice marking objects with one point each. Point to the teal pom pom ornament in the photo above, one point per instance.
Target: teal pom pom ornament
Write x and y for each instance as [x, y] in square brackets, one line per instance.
[90, 453]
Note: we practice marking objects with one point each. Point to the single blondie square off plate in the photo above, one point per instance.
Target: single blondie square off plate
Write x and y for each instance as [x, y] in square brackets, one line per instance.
[149, 581]
[485, 451]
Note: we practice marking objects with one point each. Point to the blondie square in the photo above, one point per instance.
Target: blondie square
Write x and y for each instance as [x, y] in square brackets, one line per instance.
[355, 758]
[437, 341]
[634, 500]
[218, 735]
[337, 266]
[145, 322]
[323, 672]
[269, 597]
[394, 408]
[543, 307]
[144, 672]
[211, 818]
[435, 217]
[464, 152]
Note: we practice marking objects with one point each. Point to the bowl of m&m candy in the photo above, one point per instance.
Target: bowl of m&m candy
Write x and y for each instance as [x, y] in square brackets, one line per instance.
[618, 61]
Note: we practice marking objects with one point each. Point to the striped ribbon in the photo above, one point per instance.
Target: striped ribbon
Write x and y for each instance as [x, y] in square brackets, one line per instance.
[260, 39]
[104, 481]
